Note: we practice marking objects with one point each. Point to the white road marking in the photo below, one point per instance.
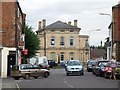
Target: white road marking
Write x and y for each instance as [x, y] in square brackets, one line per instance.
[17, 86]
[68, 84]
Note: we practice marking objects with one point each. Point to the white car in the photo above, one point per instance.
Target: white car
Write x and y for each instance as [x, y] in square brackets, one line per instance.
[74, 67]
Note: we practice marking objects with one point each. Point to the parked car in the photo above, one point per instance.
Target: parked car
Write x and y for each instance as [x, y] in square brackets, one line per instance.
[28, 70]
[90, 65]
[42, 62]
[96, 68]
[52, 63]
[101, 68]
[74, 67]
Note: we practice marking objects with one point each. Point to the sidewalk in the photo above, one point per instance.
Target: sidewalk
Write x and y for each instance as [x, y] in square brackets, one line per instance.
[7, 83]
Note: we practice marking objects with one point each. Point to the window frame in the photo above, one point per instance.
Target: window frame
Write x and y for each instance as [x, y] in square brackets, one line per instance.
[52, 41]
[62, 41]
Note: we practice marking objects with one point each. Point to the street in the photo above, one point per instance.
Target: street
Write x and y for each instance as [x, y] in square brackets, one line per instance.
[58, 79]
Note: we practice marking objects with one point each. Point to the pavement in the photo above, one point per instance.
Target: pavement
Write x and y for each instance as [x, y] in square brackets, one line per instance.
[7, 84]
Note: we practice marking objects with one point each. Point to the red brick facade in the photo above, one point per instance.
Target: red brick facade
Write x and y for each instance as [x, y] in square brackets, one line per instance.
[116, 29]
[12, 20]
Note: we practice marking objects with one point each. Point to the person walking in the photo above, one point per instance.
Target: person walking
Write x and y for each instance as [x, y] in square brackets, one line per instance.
[113, 65]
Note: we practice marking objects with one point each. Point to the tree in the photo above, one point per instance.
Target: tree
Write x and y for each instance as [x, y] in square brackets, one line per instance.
[31, 42]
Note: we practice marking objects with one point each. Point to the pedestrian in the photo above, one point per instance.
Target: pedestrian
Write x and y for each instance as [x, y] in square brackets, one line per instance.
[113, 65]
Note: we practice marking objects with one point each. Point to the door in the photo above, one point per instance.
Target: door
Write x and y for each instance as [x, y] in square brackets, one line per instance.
[11, 62]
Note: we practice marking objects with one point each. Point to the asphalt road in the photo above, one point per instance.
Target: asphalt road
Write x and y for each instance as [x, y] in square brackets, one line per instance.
[58, 79]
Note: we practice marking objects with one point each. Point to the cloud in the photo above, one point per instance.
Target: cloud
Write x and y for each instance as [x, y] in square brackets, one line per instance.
[85, 11]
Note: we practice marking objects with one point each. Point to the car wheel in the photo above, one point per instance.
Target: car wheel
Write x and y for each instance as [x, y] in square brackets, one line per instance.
[82, 73]
[35, 77]
[46, 75]
[16, 78]
[27, 76]
[67, 74]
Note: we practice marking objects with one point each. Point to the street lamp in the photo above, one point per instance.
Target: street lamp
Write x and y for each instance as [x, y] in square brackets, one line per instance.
[109, 49]
[89, 39]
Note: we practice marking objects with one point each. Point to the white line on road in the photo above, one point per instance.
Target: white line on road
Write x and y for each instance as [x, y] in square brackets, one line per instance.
[18, 88]
[68, 84]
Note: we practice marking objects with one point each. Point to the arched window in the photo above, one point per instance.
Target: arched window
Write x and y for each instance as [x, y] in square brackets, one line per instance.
[62, 56]
[52, 41]
[71, 54]
[71, 41]
[62, 41]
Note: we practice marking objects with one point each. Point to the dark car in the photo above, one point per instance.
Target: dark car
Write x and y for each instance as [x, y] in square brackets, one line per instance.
[97, 67]
[101, 68]
[52, 63]
[90, 65]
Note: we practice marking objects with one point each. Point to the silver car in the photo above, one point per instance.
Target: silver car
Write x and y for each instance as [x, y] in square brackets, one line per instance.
[74, 67]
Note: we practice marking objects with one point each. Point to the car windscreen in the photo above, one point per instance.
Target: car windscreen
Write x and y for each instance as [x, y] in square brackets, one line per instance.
[26, 67]
[103, 64]
[91, 62]
[72, 63]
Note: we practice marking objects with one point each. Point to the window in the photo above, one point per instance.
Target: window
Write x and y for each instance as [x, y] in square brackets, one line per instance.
[71, 30]
[52, 56]
[62, 41]
[71, 55]
[52, 40]
[61, 56]
[71, 41]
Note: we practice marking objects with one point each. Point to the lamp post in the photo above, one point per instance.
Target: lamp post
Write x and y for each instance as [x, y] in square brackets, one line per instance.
[89, 39]
[109, 48]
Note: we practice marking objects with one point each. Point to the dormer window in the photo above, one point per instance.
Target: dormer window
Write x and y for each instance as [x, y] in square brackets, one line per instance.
[71, 30]
[62, 30]
[53, 30]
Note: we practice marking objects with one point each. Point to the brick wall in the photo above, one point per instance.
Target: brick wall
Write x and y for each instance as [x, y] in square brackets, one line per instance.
[116, 29]
[12, 19]
[8, 21]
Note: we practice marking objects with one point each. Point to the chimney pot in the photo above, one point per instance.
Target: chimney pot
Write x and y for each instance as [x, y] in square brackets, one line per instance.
[43, 23]
[75, 23]
[69, 23]
[39, 24]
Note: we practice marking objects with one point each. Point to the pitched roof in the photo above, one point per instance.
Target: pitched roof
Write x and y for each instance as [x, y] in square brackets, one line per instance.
[61, 25]
[116, 6]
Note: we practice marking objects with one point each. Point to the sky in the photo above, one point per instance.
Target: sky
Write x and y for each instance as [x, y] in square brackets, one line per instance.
[86, 12]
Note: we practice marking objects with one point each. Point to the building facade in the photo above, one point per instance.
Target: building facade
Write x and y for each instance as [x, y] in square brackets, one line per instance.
[116, 31]
[12, 35]
[61, 41]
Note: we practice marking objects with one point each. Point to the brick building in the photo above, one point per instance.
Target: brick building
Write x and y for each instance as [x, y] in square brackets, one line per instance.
[116, 31]
[11, 34]
[61, 41]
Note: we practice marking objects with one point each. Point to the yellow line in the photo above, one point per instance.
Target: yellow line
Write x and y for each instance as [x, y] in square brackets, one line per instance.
[18, 88]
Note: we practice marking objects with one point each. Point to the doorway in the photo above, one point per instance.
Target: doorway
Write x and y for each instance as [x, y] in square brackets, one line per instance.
[11, 62]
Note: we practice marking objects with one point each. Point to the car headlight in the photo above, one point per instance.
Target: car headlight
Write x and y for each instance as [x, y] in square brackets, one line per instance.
[103, 69]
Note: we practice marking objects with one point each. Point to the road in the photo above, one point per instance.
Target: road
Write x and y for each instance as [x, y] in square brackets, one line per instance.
[58, 79]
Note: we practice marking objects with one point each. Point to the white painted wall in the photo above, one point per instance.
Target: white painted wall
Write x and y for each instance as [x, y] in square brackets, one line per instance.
[4, 62]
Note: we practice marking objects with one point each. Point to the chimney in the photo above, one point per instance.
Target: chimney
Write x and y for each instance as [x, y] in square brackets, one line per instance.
[69, 23]
[43, 25]
[39, 25]
[75, 23]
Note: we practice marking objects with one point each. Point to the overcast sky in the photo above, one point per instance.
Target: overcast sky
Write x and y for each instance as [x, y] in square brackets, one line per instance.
[85, 11]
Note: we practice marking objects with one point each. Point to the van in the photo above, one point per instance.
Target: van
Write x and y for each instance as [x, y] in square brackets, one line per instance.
[42, 62]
